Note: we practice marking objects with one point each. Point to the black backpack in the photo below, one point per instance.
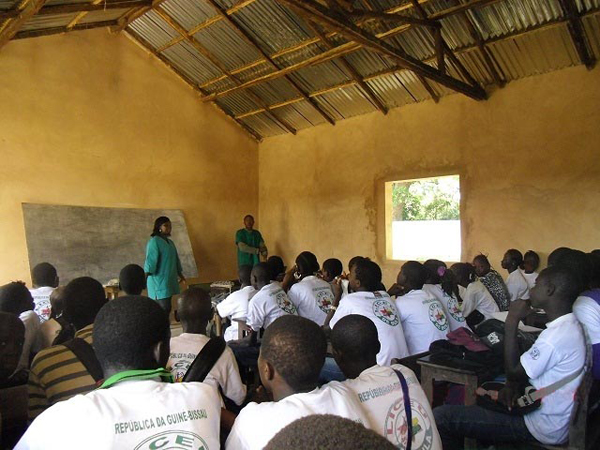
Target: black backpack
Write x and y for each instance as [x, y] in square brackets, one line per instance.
[487, 365]
[491, 333]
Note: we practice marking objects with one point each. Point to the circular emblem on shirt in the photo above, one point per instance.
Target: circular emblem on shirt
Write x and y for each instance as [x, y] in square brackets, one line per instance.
[284, 303]
[437, 316]
[395, 428]
[173, 440]
[324, 300]
[180, 368]
[454, 310]
[535, 353]
[385, 312]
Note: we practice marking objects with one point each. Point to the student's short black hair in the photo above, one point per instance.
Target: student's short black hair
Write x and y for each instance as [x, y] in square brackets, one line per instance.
[356, 337]
[296, 348]
[158, 223]
[248, 215]
[276, 266]
[368, 273]
[415, 273]
[576, 260]
[125, 330]
[463, 271]
[244, 272]
[194, 304]
[595, 273]
[132, 279]
[327, 432]
[565, 280]
[353, 261]
[484, 259]
[44, 274]
[83, 297]
[556, 254]
[515, 256]
[432, 266]
[262, 271]
[307, 264]
[15, 298]
[532, 256]
[333, 267]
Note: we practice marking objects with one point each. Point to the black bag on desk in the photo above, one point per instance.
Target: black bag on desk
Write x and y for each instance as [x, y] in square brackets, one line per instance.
[491, 333]
[487, 365]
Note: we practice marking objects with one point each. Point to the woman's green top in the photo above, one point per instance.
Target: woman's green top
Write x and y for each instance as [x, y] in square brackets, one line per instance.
[163, 266]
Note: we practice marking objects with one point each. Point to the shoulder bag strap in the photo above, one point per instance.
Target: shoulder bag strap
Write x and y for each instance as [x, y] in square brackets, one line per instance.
[85, 354]
[407, 408]
[206, 359]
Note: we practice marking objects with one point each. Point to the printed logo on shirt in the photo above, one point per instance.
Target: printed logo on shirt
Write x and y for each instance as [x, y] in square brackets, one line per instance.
[437, 316]
[396, 428]
[284, 303]
[173, 440]
[454, 310]
[385, 312]
[324, 300]
[180, 368]
[535, 353]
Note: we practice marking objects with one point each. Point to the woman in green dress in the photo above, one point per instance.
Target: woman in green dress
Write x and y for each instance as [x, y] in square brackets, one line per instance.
[162, 266]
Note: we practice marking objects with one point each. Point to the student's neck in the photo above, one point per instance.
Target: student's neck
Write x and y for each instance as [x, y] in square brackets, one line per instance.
[556, 310]
[244, 285]
[283, 391]
[259, 286]
[354, 369]
[113, 370]
[194, 327]
[511, 269]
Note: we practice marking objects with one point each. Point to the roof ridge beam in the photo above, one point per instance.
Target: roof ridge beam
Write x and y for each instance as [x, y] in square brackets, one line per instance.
[578, 34]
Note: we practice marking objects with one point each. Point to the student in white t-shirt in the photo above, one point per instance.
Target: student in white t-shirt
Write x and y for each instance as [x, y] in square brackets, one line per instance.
[194, 311]
[16, 299]
[378, 389]
[291, 356]
[515, 283]
[559, 352]
[475, 296]
[531, 262]
[51, 328]
[442, 284]
[422, 315]
[136, 406]
[368, 300]
[45, 280]
[235, 306]
[311, 295]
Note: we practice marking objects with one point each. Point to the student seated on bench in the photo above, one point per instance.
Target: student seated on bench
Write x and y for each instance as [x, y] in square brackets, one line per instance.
[132, 279]
[137, 406]
[558, 353]
[531, 262]
[235, 306]
[45, 280]
[515, 282]
[355, 347]
[367, 299]
[422, 315]
[477, 302]
[291, 356]
[443, 285]
[194, 311]
[56, 373]
[492, 281]
[310, 294]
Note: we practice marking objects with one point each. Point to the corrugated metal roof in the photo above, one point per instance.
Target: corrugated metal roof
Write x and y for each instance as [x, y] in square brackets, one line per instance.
[592, 28]
[154, 29]
[346, 102]
[238, 103]
[275, 91]
[188, 13]
[185, 57]
[53, 21]
[300, 115]
[263, 125]
[321, 76]
[101, 16]
[7, 4]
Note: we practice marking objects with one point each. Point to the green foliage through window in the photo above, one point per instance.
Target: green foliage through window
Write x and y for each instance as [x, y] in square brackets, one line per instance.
[427, 199]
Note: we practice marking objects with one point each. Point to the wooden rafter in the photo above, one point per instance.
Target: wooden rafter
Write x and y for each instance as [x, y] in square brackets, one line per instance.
[208, 55]
[61, 30]
[371, 95]
[146, 46]
[578, 34]
[12, 26]
[135, 14]
[252, 43]
[82, 14]
[396, 69]
[52, 10]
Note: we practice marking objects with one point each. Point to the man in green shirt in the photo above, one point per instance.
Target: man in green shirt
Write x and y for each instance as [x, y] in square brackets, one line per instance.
[250, 244]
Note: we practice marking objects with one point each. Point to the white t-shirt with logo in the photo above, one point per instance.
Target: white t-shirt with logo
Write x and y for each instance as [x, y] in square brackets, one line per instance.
[380, 308]
[32, 327]
[41, 298]
[257, 423]
[517, 286]
[225, 372]
[268, 304]
[380, 395]
[451, 306]
[530, 278]
[477, 297]
[558, 352]
[313, 298]
[235, 306]
[132, 415]
[423, 320]
[587, 311]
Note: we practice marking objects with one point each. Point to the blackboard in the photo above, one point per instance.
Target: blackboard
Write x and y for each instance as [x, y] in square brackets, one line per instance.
[98, 242]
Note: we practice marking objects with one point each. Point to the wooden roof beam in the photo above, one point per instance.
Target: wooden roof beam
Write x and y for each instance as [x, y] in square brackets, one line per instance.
[578, 34]
[135, 14]
[27, 9]
[81, 15]
[78, 7]
[252, 43]
[62, 30]
[146, 46]
[213, 59]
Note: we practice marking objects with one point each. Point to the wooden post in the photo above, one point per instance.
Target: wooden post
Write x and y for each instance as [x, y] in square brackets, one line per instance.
[12, 26]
